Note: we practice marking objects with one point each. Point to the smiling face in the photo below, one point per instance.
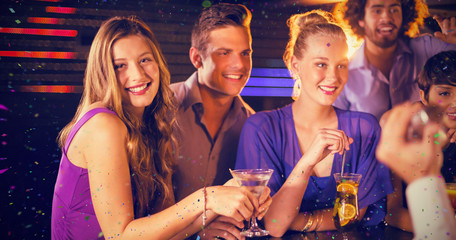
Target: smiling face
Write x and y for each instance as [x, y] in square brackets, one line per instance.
[136, 71]
[322, 69]
[443, 96]
[225, 66]
[382, 22]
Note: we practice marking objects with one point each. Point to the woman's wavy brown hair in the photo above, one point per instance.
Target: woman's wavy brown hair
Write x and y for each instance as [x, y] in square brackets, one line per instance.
[150, 139]
[413, 14]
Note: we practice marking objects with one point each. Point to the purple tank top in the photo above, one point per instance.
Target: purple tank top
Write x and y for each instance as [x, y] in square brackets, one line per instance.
[73, 216]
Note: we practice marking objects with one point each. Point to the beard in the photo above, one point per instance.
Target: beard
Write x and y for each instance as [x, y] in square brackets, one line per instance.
[381, 41]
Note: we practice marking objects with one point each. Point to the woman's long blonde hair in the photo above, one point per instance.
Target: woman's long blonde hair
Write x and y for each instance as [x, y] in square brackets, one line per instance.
[150, 140]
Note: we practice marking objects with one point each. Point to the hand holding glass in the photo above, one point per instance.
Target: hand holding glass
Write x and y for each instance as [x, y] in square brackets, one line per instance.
[255, 180]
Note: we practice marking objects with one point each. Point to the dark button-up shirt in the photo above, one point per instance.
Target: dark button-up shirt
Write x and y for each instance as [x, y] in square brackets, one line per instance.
[202, 160]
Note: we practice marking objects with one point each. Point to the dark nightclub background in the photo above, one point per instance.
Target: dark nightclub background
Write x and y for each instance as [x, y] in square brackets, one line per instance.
[43, 50]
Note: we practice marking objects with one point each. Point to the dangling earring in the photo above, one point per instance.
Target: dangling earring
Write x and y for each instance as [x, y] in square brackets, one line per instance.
[296, 87]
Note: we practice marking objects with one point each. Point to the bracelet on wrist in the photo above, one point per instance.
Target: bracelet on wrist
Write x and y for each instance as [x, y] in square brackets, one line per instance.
[204, 206]
[308, 224]
[319, 221]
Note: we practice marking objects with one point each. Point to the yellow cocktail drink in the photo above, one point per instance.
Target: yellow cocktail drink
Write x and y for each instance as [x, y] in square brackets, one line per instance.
[346, 211]
[451, 190]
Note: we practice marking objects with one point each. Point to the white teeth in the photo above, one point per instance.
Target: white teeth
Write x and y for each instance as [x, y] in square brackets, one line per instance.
[329, 89]
[137, 89]
[451, 114]
[385, 29]
[233, 76]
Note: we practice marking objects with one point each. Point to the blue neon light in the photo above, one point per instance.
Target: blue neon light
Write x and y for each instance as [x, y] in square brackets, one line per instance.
[269, 82]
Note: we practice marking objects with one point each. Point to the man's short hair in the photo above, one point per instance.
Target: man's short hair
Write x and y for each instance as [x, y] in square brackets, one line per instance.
[413, 14]
[218, 16]
[439, 69]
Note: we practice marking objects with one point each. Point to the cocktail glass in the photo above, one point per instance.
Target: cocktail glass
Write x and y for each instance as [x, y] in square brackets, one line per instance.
[422, 117]
[255, 180]
[451, 190]
[346, 211]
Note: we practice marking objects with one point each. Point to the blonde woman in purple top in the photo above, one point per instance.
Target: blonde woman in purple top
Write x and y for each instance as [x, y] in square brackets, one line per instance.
[304, 142]
[114, 179]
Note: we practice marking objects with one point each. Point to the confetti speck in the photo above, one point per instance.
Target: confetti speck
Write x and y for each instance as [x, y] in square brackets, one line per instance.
[206, 4]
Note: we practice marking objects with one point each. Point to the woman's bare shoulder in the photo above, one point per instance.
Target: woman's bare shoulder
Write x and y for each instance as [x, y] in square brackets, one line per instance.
[104, 124]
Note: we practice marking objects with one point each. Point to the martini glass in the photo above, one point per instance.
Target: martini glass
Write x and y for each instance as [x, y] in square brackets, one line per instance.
[255, 180]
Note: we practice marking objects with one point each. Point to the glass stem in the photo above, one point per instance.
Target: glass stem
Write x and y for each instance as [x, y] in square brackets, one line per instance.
[253, 223]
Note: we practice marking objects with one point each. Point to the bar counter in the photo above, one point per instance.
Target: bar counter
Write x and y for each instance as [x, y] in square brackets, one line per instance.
[374, 233]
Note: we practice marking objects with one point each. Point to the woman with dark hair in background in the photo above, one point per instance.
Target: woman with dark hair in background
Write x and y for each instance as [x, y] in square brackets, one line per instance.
[437, 83]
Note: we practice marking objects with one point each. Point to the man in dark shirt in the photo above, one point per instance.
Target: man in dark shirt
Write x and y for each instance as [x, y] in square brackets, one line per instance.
[210, 111]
